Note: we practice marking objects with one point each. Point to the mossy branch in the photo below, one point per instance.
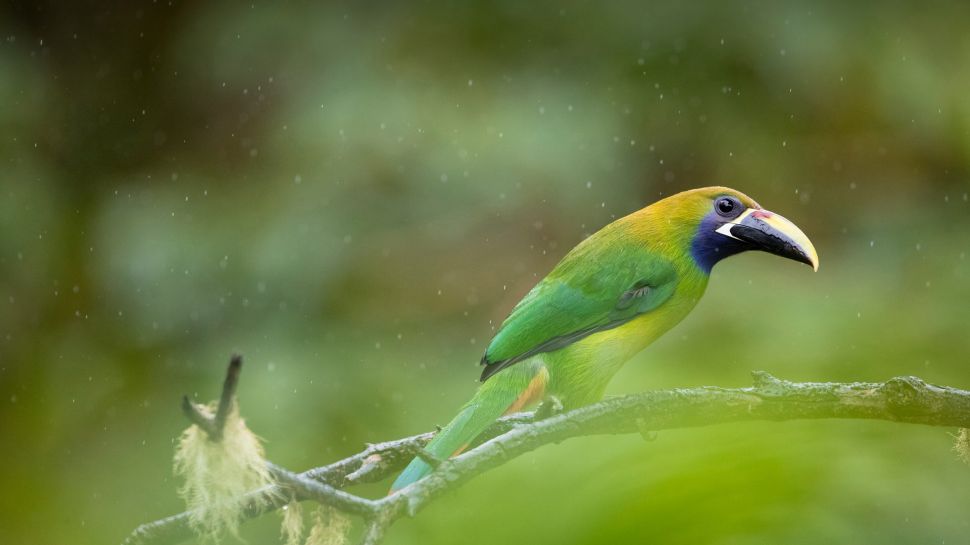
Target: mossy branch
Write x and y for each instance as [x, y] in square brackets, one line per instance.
[901, 399]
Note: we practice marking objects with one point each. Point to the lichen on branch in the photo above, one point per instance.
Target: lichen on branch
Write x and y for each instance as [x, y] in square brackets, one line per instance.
[217, 474]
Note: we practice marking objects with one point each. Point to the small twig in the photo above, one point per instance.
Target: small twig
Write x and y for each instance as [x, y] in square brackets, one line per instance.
[323, 493]
[195, 415]
[213, 426]
[228, 395]
[370, 465]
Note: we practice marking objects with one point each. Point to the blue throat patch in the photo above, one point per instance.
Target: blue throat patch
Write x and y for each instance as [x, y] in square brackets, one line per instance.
[708, 246]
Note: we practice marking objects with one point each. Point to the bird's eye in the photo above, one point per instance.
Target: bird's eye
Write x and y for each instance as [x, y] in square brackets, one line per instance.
[726, 206]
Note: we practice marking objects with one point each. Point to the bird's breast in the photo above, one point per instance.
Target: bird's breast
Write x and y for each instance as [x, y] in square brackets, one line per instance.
[608, 350]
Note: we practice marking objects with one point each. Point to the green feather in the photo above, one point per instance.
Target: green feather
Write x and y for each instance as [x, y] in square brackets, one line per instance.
[594, 288]
[489, 403]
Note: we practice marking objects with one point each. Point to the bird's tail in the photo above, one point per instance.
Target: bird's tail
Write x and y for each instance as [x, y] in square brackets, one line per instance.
[508, 391]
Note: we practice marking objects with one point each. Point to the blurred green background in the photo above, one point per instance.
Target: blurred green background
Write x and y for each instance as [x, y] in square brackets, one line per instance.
[352, 196]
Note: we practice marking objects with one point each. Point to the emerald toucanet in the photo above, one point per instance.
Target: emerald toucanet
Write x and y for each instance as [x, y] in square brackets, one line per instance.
[610, 297]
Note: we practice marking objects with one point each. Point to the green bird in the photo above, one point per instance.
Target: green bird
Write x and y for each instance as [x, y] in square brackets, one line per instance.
[611, 296]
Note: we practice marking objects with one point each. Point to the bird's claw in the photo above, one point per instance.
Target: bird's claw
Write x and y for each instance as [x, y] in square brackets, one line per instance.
[550, 407]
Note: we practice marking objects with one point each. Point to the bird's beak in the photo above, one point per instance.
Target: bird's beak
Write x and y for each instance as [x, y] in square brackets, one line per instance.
[771, 233]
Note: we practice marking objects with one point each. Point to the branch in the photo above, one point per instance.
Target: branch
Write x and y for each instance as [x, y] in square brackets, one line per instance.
[901, 399]
[213, 425]
[323, 493]
[375, 463]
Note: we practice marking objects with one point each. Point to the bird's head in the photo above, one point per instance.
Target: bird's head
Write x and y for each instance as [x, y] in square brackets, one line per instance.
[727, 222]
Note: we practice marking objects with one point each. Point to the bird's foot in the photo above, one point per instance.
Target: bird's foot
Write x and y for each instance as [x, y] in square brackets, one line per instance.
[550, 407]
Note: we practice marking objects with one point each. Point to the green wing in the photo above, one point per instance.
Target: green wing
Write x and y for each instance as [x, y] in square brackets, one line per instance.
[594, 288]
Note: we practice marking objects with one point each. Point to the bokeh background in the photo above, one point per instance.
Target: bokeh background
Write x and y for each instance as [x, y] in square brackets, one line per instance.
[353, 196]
